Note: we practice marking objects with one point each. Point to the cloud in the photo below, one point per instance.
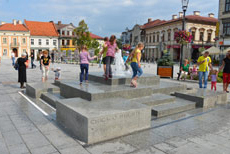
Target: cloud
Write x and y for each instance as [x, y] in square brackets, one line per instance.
[104, 17]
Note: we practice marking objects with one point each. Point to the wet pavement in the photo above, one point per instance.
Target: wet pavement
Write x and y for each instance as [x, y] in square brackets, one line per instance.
[24, 129]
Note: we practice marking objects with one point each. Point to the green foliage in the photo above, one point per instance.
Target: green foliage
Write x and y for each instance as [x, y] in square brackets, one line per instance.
[119, 43]
[83, 37]
[220, 74]
[166, 60]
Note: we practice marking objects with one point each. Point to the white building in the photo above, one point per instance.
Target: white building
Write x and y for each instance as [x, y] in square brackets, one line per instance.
[43, 36]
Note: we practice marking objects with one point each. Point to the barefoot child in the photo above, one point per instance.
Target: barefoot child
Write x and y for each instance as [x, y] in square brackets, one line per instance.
[213, 75]
[136, 63]
[194, 72]
[84, 66]
[57, 72]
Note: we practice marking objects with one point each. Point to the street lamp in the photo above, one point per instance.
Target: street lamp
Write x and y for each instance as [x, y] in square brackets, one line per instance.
[184, 8]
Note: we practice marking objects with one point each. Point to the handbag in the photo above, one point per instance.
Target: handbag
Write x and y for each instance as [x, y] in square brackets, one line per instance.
[16, 66]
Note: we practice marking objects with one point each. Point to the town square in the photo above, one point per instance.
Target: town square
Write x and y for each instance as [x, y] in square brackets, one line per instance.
[114, 77]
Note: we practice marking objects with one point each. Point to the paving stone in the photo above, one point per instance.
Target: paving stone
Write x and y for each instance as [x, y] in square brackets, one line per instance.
[12, 138]
[21, 121]
[3, 147]
[150, 150]
[111, 147]
[142, 140]
[27, 130]
[74, 150]
[177, 141]
[35, 139]
[59, 139]
[48, 149]
[164, 147]
[18, 149]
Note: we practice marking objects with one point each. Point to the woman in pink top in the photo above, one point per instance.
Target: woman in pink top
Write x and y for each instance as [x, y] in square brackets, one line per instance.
[84, 65]
[112, 48]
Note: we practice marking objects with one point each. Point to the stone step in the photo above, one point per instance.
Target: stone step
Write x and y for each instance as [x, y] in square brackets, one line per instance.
[96, 121]
[51, 98]
[96, 91]
[155, 99]
[172, 108]
[35, 90]
[203, 97]
[146, 79]
[168, 87]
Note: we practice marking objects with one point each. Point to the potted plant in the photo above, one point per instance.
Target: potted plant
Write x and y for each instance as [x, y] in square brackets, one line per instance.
[165, 65]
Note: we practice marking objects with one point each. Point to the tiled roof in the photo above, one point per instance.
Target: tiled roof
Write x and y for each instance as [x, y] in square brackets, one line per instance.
[189, 18]
[96, 36]
[12, 27]
[41, 28]
[60, 26]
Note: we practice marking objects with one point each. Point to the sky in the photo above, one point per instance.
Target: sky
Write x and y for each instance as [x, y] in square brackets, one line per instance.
[104, 17]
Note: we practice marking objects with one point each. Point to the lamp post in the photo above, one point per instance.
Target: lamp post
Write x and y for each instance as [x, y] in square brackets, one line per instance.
[184, 7]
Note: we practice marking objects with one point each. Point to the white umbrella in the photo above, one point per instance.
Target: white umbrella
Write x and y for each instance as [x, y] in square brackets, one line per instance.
[212, 51]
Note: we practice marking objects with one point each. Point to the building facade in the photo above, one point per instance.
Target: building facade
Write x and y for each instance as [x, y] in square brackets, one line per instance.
[126, 37]
[14, 37]
[224, 24]
[43, 36]
[66, 36]
[135, 35]
[159, 36]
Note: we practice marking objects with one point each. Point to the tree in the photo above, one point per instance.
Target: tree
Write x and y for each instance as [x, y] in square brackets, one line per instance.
[119, 43]
[83, 37]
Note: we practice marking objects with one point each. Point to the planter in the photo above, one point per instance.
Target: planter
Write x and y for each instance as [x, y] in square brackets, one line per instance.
[165, 71]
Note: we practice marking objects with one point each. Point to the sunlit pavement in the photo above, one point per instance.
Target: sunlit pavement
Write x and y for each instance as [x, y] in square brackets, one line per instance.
[24, 129]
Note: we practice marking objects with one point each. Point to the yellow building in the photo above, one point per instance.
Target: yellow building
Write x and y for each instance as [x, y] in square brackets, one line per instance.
[14, 37]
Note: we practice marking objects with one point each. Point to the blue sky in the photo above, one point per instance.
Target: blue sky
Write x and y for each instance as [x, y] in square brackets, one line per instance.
[104, 17]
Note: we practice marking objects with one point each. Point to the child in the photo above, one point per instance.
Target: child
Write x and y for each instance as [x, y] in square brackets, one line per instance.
[84, 65]
[194, 72]
[213, 75]
[125, 59]
[45, 62]
[57, 73]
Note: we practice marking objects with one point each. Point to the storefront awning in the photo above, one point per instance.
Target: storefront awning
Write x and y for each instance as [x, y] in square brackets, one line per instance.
[212, 51]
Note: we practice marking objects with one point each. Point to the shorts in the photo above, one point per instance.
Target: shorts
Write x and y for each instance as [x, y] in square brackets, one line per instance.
[45, 72]
[226, 77]
[104, 60]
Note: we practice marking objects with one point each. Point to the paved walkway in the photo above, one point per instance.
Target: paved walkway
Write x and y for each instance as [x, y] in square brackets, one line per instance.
[24, 129]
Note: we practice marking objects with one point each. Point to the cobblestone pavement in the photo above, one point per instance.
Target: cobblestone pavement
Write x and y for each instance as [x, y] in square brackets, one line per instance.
[24, 129]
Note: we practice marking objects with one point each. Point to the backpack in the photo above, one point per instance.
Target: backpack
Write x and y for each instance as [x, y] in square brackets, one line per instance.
[16, 66]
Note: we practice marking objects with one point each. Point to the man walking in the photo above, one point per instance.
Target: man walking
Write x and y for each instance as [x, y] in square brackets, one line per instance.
[13, 58]
[32, 59]
[204, 63]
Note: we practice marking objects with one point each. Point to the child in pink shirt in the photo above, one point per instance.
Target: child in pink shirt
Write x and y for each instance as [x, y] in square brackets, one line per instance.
[84, 65]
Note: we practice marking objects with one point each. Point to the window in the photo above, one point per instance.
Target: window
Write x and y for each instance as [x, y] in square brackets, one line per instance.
[15, 41]
[4, 40]
[58, 31]
[193, 35]
[73, 33]
[5, 52]
[227, 6]
[73, 42]
[226, 28]
[23, 40]
[169, 36]
[68, 33]
[39, 41]
[154, 38]
[63, 42]
[68, 42]
[201, 36]
[146, 39]
[32, 41]
[209, 37]
[158, 38]
[47, 42]
[54, 42]
[163, 37]
[24, 50]
[63, 32]
[150, 39]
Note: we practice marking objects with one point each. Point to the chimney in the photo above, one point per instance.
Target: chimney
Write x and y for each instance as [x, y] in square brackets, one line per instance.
[59, 22]
[2, 23]
[149, 20]
[181, 15]
[174, 16]
[51, 21]
[19, 22]
[15, 22]
[196, 13]
[211, 15]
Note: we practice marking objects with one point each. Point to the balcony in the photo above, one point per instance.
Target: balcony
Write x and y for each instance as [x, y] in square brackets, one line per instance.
[14, 44]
